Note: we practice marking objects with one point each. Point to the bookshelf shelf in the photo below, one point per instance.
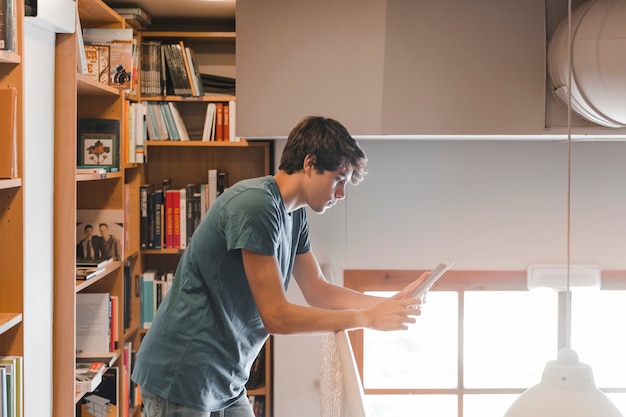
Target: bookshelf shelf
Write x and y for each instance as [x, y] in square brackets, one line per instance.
[98, 177]
[183, 35]
[82, 284]
[10, 183]
[199, 143]
[9, 321]
[207, 98]
[87, 86]
[10, 57]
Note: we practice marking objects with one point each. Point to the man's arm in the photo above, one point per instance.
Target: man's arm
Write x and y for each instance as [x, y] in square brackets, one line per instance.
[282, 317]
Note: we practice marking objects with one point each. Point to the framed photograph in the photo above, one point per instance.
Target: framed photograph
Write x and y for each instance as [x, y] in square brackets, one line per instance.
[99, 144]
[101, 232]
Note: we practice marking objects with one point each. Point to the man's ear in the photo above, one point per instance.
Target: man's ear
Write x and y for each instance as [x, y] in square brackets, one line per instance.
[309, 162]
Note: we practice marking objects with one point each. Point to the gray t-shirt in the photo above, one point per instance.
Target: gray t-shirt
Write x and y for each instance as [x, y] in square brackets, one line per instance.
[208, 331]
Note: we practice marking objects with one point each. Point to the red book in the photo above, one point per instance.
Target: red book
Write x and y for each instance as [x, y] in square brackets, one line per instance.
[169, 218]
[226, 122]
[176, 206]
[219, 121]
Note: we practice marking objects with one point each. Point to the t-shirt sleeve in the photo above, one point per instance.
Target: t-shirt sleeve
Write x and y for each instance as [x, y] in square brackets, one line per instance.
[251, 220]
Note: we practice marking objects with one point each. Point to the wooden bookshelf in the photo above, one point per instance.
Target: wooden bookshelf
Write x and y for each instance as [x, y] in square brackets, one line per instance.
[12, 206]
[188, 162]
[80, 97]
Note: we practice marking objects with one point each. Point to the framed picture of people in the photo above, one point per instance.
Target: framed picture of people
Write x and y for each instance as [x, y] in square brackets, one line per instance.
[100, 234]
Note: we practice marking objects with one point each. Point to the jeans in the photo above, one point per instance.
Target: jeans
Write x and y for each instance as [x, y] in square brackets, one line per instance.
[155, 406]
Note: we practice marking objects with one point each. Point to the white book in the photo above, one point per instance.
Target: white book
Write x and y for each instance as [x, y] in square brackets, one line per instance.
[232, 119]
[92, 322]
[208, 133]
[178, 121]
[81, 62]
[212, 186]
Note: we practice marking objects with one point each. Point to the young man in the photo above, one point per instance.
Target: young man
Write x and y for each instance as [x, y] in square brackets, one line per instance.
[229, 289]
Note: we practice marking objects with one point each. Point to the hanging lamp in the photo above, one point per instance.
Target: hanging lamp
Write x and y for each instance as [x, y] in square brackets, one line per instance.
[567, 387]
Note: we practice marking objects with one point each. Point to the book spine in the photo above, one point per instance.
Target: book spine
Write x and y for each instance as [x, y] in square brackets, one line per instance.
[157, 220]
[169, 219]
[144, 229]
[190, 211]
[219, 121]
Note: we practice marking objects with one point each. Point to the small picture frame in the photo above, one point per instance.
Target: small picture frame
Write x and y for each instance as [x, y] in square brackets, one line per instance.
[99, 144]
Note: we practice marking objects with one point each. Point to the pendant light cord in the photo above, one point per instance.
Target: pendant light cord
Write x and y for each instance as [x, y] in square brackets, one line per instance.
[568, 295]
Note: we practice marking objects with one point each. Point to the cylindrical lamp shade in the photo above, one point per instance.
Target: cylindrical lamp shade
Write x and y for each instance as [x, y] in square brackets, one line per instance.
[567, 389]
[598, 61]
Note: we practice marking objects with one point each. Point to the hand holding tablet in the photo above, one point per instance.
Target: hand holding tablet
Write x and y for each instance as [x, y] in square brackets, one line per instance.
[435, 274]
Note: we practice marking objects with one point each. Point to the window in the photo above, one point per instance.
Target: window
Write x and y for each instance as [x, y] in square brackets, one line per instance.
[482, 339]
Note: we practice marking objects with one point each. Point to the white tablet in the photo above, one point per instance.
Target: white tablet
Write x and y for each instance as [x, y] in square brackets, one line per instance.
[436, 273]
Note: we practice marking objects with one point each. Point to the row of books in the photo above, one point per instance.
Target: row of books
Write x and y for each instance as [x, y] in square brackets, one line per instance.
[96, 323]
[99, 382]
[169, 69]
[169, 216]
[165, 122]
[153, 288]
[258, 405]
[12, 386]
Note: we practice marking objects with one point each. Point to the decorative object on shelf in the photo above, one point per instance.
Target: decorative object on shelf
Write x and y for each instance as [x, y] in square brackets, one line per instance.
[99, 143]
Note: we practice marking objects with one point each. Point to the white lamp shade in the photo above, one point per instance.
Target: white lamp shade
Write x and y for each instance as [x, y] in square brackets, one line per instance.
[567, 389]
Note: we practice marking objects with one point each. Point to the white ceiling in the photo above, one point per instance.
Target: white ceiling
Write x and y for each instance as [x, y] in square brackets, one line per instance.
[182, 9]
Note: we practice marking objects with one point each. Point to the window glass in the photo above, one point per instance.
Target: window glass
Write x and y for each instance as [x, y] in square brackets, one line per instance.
[509, 336]
[412, 405]
[487, 405]
[599, 334]
[425, 356]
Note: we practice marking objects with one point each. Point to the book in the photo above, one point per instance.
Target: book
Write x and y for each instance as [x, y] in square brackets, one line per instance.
[98, 143]
[180, 219]
[144, 226]
[114, 331]
[88, 272]
[88, 375]
[195, 72]
[212, 189]
[190, 212]
[97, 59]
[148, 297]
[102, 401]
[208, 131]
[14, 369]
[168, 117]
[156, 219]
[8, 26]
[178, 121]
[188, 68]
[120, 42]
[92, 263]
[128, 296]
[8, 132]
[81, 62]
[219, 121]
[93, 314]
[3, 393]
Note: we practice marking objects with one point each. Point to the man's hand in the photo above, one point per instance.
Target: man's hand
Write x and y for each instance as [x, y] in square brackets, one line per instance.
[392, 314]
[408, 290]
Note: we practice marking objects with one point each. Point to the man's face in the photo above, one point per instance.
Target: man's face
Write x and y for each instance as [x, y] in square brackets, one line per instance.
[326, 188]
[88, 232]
[104, 231]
